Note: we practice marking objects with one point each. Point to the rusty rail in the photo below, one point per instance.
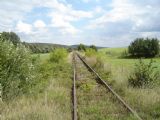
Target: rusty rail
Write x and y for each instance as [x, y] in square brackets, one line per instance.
[111, 90]
[74, 90]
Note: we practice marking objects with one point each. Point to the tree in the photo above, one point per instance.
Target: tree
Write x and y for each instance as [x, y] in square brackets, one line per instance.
[82, 47]
[11, 37]
[93, 47]
[144, 47]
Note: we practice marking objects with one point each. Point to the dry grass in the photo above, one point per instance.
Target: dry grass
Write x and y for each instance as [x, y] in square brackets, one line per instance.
[53, 104]
[145, 101]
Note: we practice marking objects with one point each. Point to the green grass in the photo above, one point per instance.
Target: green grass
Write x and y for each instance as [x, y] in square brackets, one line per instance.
[51, 103]
[145, 101]
[43, 57]
[94, 101]
[113, 57]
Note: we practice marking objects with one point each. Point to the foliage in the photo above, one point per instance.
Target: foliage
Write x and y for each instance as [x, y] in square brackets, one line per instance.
[58, 55]
[70, 49]
[16, 70]
[124, 54]
[144, 47]
[93, 47]
[81, 47]
[42, 47]
[144, 75]
[90, 52]
[11, 37]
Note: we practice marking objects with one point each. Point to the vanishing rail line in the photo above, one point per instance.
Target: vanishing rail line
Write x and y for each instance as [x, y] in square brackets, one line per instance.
[77, 57]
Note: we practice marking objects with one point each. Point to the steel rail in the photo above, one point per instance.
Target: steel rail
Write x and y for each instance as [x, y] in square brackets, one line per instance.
[74, 90]
[111, 90]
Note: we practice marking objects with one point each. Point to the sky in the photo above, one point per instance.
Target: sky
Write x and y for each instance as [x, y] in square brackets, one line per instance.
[107, 23]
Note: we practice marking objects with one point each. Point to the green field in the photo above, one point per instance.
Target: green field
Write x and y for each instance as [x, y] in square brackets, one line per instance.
[113, 57]
[145, 101]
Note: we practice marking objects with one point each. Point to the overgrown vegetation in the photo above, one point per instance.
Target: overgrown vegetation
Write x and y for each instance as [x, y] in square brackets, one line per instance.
[81, 47]
[34, 87]
[144, 74]
[58, 55]
[144, 47]
[42, 47]
[10, 37]
[145, 101]
[17, 70]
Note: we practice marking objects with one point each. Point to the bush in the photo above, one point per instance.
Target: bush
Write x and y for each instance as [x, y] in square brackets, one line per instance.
[81, 47]
[16, 70]
[58, 55]
[90, 52]
[11, 37]
[144, 75]
[93, 47]
[144, 47]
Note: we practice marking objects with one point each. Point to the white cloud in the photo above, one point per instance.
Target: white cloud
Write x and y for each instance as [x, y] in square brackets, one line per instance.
[39, 24]
[87, 1]
[24, 27]
[141, 14]
[63, 15]
[98, 9]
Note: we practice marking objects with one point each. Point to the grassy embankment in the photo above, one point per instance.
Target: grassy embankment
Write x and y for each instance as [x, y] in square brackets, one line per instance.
[52, 102]
[145, 101]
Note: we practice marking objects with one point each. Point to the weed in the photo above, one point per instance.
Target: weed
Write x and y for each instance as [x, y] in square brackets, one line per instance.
[144, 75]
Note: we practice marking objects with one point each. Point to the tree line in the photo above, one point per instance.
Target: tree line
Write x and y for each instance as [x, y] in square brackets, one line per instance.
[144, 47]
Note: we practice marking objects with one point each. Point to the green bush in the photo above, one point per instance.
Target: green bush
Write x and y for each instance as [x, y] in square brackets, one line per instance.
[10, 37]
[90, 52]
[16, 70]
[144, 47]
[144, 75]
[93, 47]
[81, 47]
[58, 55]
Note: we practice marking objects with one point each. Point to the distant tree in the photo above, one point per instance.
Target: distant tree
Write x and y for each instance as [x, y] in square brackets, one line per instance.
[144, 47]
[93, 47]
[69, 49]
[82, 47]
[10, 36]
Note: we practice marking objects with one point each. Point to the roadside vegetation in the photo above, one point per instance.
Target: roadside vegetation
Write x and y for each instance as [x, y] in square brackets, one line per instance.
[136, 80]
[34, 86]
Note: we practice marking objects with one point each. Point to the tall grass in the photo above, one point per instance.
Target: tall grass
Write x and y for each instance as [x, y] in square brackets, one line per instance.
[145, 101]
[50, 98]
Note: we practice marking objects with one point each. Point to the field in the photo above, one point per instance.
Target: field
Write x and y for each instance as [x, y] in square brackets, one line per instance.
[145, 101]
[52, 98]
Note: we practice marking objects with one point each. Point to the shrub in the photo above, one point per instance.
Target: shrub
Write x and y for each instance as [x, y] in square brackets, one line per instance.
[93, 47]
[90, 52]
[58, 55]
[144, 47]
[11, 37]
[81, 47]
[16, 70]
[144, 75]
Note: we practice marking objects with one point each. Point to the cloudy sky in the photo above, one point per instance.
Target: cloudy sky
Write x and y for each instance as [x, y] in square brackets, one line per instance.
[111, 23]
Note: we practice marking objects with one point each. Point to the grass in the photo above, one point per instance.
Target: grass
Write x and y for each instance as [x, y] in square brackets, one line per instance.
[52, 103]
[145, 101]
[43, 57]
[94, 101]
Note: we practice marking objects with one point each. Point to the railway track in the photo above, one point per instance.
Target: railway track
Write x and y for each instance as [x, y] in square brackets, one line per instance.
[94, 99]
